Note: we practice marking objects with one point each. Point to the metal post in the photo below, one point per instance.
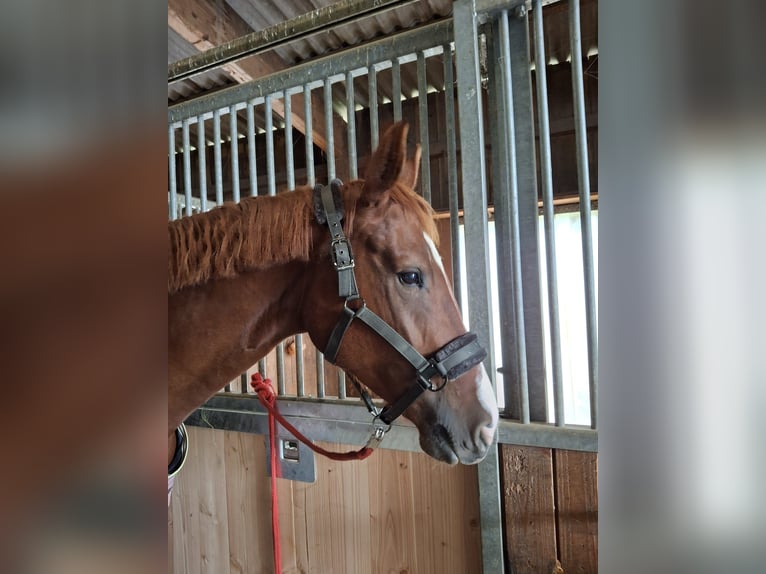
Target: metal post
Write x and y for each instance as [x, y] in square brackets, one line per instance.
[173, 184]
[187, 166]
[372, 81]
[351, 126]
[498, 83]
[270, 147]
[516, 274]
[234, 140]
[319, 363]
[201, 159]
[454, 218]
[425, 158]
[546, 173]
[252, 167]
[328, 130]
[217, 157]
[583, 174]
[526, 178]
[396, 88]
[475, 200]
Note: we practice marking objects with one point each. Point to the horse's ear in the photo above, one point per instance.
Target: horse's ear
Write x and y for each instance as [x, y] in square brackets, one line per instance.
[387, 164]
[409, 176]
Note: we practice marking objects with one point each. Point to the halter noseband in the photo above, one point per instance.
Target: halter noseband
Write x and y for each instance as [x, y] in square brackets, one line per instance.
[449, 362]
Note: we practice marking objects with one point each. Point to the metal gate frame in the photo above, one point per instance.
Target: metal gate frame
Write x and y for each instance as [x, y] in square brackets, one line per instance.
[504, 27]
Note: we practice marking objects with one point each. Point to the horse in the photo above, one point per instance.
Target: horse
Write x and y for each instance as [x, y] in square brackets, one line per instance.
[244, 276]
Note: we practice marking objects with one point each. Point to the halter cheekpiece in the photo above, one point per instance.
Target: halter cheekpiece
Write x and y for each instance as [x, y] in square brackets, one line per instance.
[449, 362]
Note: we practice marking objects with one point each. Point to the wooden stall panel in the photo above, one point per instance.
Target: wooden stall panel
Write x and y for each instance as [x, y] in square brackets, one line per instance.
[528, 504]
[395, 512]
[577, 503]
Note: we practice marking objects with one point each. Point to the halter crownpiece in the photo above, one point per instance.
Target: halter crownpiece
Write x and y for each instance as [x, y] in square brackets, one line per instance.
[449, 362]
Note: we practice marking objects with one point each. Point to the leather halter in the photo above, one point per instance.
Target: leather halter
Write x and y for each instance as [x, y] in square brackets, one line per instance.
[449, 362]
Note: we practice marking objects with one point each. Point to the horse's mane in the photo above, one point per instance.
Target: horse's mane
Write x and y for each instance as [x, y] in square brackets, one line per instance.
[225, 241]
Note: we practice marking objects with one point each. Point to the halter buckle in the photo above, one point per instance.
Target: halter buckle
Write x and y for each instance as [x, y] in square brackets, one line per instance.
[342, 258]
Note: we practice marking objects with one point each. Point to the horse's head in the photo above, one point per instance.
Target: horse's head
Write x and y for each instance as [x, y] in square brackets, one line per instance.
[400, 278]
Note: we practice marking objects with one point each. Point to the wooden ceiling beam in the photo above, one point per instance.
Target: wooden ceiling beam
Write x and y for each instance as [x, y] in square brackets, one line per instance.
[206, 24]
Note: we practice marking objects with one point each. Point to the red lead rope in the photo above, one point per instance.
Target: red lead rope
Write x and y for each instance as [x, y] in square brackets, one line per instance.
[268, 398]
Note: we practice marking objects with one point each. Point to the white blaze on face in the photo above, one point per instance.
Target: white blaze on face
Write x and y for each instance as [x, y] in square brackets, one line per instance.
[484, 391]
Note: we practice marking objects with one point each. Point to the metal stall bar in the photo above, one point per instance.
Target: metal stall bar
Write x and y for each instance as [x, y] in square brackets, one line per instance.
[583, 176]
[498, 83]
[187, 167]
[477, 255]
[252, 167]
[396, 88]
[272, 178]
[516, 272]
[201, 160]
[425, 158]
[319, 363]
[234, 140]
[546, 173]
[290, 161]
[173, 211]
[330, 137]
[526, 178]
[217, 157]
[454, 217]
[351, 126]
[372, 81]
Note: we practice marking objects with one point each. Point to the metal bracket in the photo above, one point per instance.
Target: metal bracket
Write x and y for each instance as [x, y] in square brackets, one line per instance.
[296, 460]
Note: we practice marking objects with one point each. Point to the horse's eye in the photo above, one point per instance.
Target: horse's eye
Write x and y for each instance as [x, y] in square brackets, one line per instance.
[410, 278]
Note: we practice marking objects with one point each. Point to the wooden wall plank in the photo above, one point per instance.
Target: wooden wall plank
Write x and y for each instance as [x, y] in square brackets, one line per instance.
[577, 503]
[248, 499]
[391, 513]
[528, 504]
[337, 511]
[213, 513]
[449, 505]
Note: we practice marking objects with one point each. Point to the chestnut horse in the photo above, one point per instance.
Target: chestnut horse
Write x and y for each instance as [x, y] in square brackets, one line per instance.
[245, 276]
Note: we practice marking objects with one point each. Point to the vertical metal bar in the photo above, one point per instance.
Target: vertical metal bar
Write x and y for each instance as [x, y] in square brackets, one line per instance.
[454, 216]
[281, 369]
[290, 160]
[202, 161]
[474, 182]
[497, 84]
[526, 180]
[299, 365]
[234, 140]
[351, 126]
[319, 362]
[252, 166]
[243, 383]
[583, 176]
[309, 135]
[546, 174]
[217, 157]
[186, 144]
[330, 136]
[372, 82]
[173, 184]
[425, 158]
[518, 294]
[289, 141]
[396, 88]
[328, 130]
[270, 147]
